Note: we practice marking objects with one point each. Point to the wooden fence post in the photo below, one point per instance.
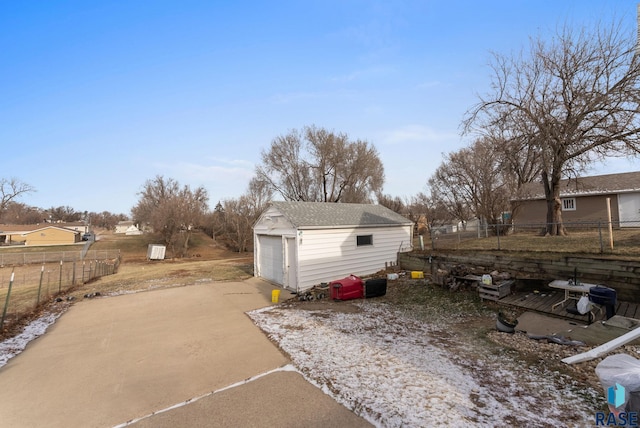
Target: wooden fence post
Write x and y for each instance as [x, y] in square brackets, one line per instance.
[610, 224]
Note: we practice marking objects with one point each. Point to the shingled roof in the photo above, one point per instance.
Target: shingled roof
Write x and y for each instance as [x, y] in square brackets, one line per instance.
[589, 186]
[14, 229]
[328, 214]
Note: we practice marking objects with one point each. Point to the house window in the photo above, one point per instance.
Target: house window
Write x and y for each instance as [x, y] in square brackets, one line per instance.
[364, 240]
[569, 204]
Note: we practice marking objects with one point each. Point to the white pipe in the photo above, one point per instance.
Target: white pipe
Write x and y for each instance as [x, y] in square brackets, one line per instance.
[603, 349]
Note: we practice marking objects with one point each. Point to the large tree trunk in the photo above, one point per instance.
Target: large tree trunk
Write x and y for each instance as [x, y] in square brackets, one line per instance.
[187, 237]
[555, 226]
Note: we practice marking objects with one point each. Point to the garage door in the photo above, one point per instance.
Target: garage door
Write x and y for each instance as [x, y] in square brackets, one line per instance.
[271, 263]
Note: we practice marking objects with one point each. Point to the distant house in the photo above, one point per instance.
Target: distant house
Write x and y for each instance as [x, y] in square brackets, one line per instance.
[11, 234]
[128, 228]
[584, 199]
[52, 235]
[81, 226]
[122, 226]
[301, 244]
[38, 234]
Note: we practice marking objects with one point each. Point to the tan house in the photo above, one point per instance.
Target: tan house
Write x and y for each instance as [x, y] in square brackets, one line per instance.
[12, 234]
[584, 199]
[52, 235]
[38, 234]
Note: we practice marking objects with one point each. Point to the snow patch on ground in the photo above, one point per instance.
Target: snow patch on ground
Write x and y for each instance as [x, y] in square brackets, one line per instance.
[396, 371]
[13, 346]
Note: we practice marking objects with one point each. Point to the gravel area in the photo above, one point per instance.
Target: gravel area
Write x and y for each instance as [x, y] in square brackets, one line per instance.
[422, 355]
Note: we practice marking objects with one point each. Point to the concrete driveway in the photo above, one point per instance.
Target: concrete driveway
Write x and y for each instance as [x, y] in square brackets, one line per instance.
[144, 357]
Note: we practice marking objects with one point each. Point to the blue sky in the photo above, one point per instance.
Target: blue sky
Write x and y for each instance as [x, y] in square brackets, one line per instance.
[98, 97]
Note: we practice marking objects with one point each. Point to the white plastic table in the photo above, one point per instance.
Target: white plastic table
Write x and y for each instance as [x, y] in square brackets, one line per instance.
[572, 291]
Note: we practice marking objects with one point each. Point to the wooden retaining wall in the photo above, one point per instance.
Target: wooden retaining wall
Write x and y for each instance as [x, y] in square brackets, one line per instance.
[621, 275]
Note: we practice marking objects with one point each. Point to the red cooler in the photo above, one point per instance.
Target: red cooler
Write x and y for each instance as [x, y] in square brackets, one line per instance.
[351, 287]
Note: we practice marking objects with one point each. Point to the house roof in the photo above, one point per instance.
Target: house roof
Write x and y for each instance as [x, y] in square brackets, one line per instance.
[589, 186]
[14, 228]
[64, 229]
[329, 214]
[70, 224]
[28, 228]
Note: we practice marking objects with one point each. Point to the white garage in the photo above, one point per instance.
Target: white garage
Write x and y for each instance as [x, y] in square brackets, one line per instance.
[302, 244]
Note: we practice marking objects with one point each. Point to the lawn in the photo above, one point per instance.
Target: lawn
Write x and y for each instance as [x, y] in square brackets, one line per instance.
[626, 242]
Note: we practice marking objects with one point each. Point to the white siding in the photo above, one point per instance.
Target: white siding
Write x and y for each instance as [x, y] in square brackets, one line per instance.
[272, 222]
[326, 255]
[291, 264]
[269, 230]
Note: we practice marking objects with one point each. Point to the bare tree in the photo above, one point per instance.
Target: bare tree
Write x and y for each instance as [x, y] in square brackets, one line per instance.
[11, 189]
[153, 194]
[426, 213]
[318, 165]
[192, 205]
[415, 209]
[572, 100]
[213, 222]
[474, 177]
[63, 214]
[173, 212]
[450, 192]
[259, 194]
[105, 219]
[394, 203]
[18, 213]
[521, 159]
[238, 223]
[233, 219]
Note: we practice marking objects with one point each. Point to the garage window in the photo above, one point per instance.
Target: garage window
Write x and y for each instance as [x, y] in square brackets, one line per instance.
[362, 240]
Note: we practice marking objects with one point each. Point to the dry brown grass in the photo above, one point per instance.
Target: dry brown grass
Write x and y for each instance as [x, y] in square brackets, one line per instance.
[136, 276]
[40, 249]
[626, 242]
[134, 248]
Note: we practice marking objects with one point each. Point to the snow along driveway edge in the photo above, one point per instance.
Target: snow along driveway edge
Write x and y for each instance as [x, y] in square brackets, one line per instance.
[396, 371]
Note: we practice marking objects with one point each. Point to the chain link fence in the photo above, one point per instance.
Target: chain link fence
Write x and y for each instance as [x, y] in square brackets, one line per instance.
[598, 237]
[14, 259]
[28, 280]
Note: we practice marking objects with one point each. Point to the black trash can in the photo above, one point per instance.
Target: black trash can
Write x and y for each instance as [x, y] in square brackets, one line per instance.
[375, 287]
[604, 296]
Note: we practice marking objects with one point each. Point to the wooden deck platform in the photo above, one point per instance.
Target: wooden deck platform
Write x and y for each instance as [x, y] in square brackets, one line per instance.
[543, 301]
